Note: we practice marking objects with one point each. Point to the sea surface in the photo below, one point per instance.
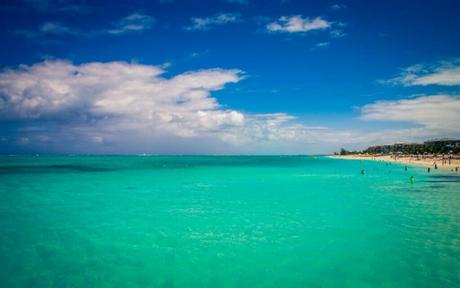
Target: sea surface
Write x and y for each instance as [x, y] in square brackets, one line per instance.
[216, 221]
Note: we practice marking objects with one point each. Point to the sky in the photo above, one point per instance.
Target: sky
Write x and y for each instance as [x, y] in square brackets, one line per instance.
[226, 76]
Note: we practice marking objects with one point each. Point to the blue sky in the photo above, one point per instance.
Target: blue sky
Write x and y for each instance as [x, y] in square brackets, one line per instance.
[226, 77]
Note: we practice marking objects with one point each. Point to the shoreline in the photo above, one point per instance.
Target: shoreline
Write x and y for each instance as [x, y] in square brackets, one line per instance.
[427, 162]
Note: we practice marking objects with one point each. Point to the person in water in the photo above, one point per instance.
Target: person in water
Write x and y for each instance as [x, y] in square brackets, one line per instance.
[405, 168]
[429, 169]
[411, 179]
[362, 172]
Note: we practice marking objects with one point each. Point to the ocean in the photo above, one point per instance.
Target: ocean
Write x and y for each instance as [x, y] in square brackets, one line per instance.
[226, 221]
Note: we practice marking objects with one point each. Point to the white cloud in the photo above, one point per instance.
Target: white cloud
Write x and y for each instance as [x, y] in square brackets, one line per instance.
[132, 23]
[119, 107]
[297, 24]
[445, 73]
[216, 20]
[434, 112]
[52, 88]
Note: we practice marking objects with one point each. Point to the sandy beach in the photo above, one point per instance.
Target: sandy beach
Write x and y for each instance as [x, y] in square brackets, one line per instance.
[443, 164]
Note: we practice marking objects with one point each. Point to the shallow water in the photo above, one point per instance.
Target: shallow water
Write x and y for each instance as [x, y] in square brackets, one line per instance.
[203, 221]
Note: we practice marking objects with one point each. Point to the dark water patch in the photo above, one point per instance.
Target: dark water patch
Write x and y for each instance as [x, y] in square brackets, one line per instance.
[80, 168]
[444, 178]
[436, 186]
[109, 163]
[37, 165]
[443, 181]
[62, 168]
[184, 162]
[417, 190]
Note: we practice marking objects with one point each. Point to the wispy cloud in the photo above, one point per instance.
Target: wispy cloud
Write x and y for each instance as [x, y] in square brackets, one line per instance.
[336, 7]
[47, 29]
[207, 23]
[297, 24]
[323, 44]
[55, 28]
[48, 6]
[444, 73]
[337, 33]
[241, 2]
[133, 23]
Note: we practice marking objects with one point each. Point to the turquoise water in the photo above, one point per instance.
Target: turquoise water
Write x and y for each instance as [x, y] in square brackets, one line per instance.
[225, 222]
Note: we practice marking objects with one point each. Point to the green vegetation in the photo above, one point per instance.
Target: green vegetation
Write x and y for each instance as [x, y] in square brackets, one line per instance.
[443, 146]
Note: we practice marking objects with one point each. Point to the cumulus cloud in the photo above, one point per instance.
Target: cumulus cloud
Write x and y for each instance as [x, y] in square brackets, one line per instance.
[445, 73]
[135, 92]
[120, 107]
[105, 102]
[434, 112]
[207, 23]
[297, 24]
